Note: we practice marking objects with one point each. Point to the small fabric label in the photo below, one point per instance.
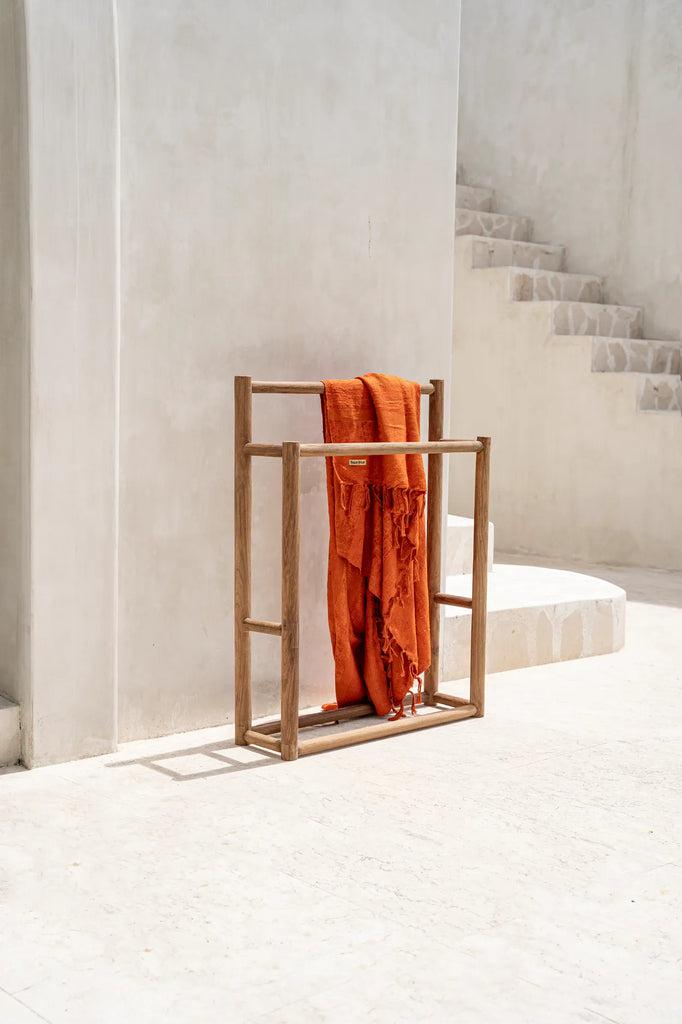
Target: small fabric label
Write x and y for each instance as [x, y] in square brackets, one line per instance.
[357, 462]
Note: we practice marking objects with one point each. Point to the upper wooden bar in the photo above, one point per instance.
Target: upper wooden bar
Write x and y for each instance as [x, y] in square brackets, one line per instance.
[308, 451]
[302, 387]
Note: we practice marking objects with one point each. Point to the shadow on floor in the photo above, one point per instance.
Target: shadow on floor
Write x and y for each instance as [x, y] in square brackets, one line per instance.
[194, 763]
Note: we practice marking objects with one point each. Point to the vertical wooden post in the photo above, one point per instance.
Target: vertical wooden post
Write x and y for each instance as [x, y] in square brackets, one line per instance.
[242, 559]
[434, 523]
[290, 601]
[479, 593]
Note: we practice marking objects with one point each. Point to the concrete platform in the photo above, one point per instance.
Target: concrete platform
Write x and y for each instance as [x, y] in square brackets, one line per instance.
[534, 857]
[536, 615]
[460, 545]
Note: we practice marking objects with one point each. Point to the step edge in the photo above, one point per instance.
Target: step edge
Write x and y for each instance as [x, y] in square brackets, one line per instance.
[546, 246]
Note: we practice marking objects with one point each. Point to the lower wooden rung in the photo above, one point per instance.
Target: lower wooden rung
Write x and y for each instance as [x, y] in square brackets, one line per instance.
[447, 698]
[260, 739]
[312, 718]
[410, 723]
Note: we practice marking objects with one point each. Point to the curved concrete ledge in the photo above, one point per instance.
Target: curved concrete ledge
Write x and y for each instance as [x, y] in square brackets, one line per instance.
[536, 616]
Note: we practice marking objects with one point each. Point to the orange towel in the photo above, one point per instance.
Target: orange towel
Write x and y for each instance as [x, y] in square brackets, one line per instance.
[377, 585]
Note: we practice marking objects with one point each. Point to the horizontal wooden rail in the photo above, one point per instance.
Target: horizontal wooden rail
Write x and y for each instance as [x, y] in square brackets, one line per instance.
[262, 626]
[391, 448]
[309, 451]
[410, 723]
[272, 451]
[302, 387]
[260, 739]
[454, 600]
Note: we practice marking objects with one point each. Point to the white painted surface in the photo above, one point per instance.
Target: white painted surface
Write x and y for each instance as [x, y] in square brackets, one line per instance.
[287, 212]
[536, 615]
[70, 710]
[572, 112]
[281, 204]
[535, 851]
[459, 553]
[10, 734]
[579, 468]
[14, 294]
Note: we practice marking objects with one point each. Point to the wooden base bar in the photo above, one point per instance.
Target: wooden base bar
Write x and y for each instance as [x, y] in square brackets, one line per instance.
[321, 717]
[377, 732]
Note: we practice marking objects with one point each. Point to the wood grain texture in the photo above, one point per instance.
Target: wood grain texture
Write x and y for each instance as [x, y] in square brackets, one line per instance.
[453, 600]
[261, 739]
[291, 541]
[263, 626]
[321, 717]
[453, 702]
[268, 451]
[432, 446]
[434, 527]
[479, 592]
[273, 451]
[242, 559]
[383, 729]
[302, 387]
[310, 451]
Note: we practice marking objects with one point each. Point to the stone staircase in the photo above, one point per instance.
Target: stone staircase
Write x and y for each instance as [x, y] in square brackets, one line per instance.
[572, 303]
[535, 615]
[542, 359]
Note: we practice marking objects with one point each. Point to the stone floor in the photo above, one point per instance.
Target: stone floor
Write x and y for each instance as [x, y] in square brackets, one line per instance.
[524, 867]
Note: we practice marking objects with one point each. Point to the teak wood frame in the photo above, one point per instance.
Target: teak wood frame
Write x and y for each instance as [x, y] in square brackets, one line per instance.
[447, 708]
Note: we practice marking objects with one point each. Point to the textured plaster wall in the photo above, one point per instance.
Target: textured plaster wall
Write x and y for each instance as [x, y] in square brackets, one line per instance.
[212, 188]
[72, 203]
[572, 112]
[13, 346]
[287, 212]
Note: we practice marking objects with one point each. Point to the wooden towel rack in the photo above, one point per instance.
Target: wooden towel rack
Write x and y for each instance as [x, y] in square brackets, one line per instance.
[282, 735]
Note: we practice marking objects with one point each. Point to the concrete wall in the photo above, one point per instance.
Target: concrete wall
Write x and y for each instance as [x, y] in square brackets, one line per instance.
[214, 188]
[72, 201]
[287, 212]
[572, 111]
[13, 347]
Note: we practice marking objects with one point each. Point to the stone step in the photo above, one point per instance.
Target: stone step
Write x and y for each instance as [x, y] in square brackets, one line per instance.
[505, 252]
[10, 737]
[528, 285]
[460, 545]
[660, 392]
[471, 197]
[535, 616]
[636, 355]
[593, 318]
[494, 225]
